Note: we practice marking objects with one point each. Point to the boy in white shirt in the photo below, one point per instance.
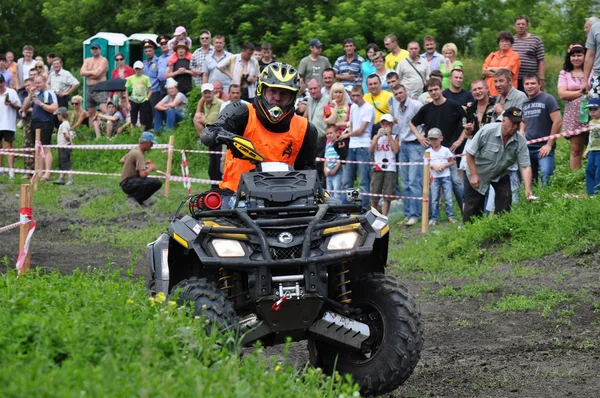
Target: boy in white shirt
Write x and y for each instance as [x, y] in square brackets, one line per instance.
[64, 138]
[441, 159]
[384, 147]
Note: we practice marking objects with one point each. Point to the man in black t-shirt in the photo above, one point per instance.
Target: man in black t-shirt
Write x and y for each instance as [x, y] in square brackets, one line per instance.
[456, 92]
[447, 115]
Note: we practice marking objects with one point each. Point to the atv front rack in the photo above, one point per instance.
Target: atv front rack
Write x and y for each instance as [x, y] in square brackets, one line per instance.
[283, 217]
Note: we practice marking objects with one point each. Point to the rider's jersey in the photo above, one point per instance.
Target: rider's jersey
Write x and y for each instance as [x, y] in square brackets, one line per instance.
[275, 147]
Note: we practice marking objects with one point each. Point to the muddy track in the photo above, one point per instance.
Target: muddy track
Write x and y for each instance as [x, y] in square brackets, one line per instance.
[469, 351]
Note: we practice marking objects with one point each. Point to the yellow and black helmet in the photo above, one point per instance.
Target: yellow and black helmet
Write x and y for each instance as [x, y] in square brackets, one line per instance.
[282, 76]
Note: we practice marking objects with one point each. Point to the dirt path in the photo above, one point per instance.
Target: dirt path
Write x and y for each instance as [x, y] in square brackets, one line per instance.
[469, 351]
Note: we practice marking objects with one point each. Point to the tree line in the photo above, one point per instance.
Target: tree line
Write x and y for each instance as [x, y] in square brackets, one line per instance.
[60, 26]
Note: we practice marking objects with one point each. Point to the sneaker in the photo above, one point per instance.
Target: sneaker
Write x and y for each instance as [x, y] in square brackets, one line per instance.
[432, 223]
[26, 176]
[70, 182]
[403, 222]
[11, 175]
[60, 181]
[452, 220]
[411, 221]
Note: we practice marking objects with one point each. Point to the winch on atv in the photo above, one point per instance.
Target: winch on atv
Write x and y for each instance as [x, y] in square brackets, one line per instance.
[280, 258]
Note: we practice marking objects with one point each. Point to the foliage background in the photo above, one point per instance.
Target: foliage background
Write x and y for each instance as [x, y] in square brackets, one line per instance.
[61, 26]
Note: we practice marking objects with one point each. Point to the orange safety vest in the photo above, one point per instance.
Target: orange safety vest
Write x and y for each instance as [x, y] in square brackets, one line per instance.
[275, 147]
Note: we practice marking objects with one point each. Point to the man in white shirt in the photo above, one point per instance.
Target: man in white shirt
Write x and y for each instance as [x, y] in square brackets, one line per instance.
[362, 117]
[10, 103]
[403, 109]
[413, 71]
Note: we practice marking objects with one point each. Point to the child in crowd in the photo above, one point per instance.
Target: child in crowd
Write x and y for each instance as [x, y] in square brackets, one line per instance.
[64, 138]
[180, 35]
[384, 147]
[332, 166]
[592, 153]
[441, 159]
[138, 90]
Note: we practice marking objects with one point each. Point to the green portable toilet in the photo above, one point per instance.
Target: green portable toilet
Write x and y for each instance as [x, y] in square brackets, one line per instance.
[110, 45]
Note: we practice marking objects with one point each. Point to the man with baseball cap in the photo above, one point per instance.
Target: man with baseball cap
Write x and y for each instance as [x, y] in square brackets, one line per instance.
[495, 148]
[313, 65]
[134, 177]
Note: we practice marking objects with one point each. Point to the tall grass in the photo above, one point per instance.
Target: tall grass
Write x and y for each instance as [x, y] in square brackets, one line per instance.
[94, 333]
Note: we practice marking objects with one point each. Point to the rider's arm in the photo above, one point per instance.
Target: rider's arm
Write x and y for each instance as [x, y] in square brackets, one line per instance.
[233, 118]
[308, 151]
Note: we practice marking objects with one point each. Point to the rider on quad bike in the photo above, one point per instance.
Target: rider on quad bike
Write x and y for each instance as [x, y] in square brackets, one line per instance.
[280, 259]
[270, 123]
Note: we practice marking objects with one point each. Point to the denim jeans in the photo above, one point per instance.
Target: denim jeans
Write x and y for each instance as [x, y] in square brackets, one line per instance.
[334, 183]
[457, 186]
[543, 166]
[515, 185]
[364, 173]
[171, 117]
[412, 177]
[444, 184]
[592, 173]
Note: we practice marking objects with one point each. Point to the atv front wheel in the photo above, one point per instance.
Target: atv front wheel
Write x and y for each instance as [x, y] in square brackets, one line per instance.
[389, 356]
[209, 302]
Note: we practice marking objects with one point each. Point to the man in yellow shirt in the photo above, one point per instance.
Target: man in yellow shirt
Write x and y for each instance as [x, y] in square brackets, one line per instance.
[377, 97]
[396, 54]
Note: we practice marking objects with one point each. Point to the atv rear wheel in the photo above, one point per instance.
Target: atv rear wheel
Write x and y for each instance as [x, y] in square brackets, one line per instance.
[389, 356]
[209, 302]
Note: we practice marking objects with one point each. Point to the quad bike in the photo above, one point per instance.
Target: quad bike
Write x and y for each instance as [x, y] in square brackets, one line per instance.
[286, 260]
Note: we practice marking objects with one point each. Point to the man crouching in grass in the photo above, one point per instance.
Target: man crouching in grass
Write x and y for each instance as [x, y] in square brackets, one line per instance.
[134, 177]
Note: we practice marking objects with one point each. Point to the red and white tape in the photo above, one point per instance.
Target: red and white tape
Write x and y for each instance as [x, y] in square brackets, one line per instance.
[386, 196]
[201, 151]
[26, 218]
[361, 162]
[18, 149]
[105, 147]
[93, 173]
[565, 134]
[23, 155]
[185, 179]
[185, 172]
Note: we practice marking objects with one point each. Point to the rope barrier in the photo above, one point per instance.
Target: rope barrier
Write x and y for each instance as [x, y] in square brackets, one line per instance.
[105, 147]
[9, 227]
[16, 154]
[386, 196]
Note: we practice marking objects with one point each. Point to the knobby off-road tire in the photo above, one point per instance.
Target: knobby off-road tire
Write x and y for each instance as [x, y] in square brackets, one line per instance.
[208, 301]
[389, 356]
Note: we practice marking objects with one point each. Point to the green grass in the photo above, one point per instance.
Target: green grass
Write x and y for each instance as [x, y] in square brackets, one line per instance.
[530, 230]
[97, 334]
[543, 299]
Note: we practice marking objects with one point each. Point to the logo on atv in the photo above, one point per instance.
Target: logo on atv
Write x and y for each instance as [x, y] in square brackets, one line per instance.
[288, 150]
[285, 237]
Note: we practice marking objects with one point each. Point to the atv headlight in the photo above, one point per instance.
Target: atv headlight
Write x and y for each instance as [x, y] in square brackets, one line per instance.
[228, 248]
[343, 241]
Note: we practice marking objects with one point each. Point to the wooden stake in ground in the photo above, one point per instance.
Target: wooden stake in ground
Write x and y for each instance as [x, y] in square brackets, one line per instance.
[425, 209]
[26, 202]
[169, 164]
[38, 159]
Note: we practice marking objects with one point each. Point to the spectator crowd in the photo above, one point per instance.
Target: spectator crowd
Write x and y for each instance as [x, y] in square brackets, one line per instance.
[393, 106]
